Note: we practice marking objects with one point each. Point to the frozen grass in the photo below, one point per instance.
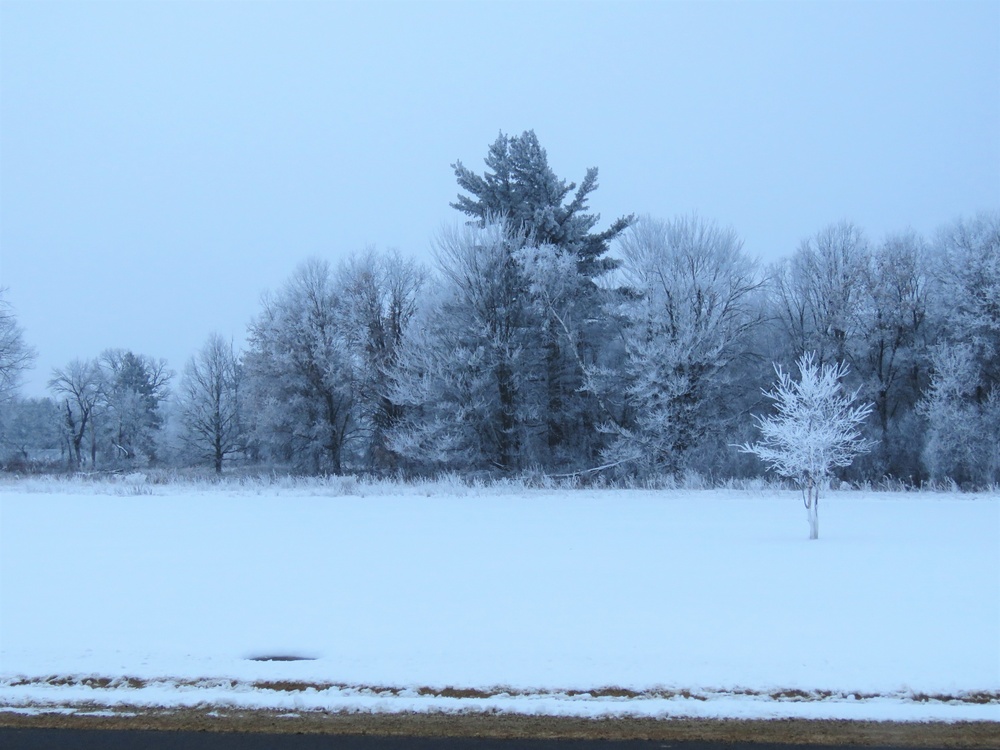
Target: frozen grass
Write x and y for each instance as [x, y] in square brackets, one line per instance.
[169, 481]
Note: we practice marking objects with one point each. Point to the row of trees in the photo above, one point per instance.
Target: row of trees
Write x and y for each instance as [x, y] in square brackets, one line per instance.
[541, 344]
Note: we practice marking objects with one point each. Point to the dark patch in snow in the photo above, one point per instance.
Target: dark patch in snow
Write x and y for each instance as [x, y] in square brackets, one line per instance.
[281, 657]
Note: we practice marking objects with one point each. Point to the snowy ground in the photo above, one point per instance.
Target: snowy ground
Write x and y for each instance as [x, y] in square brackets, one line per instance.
[676, 603]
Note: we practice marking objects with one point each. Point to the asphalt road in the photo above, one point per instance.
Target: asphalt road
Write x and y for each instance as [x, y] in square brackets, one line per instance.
[91, 739]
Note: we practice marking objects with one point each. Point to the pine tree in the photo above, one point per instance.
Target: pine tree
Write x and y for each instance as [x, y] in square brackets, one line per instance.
[521, 190]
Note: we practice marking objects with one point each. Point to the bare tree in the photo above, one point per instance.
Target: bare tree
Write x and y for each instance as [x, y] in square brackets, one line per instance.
[15, 355]
[816, 428]
[819, 292]
[892, 359]
[80, 386]
[212, 402]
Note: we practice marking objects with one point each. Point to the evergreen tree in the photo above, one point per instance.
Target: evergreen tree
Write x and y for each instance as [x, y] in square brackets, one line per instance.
[521, 190]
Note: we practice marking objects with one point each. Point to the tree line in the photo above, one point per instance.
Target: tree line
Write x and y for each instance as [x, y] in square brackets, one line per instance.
[538, 343]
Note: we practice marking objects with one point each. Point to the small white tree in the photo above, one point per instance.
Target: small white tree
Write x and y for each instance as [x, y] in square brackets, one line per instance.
[816, 428]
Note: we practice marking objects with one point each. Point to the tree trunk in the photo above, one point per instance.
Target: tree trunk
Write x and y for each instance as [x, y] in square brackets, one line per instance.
[507, 448]
[336, 426]
[74, 438]
[812, 509]
[554, 416]
[218, 433]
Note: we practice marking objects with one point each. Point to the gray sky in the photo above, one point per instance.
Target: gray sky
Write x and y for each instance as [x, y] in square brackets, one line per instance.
[164, 163]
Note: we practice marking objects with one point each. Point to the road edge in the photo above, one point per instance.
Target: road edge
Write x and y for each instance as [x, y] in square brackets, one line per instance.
[976, 735]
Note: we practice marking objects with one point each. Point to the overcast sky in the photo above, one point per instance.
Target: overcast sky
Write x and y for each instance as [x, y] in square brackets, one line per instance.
[164, 163]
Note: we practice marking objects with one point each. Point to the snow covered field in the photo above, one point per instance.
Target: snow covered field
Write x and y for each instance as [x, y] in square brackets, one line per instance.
[695, 603]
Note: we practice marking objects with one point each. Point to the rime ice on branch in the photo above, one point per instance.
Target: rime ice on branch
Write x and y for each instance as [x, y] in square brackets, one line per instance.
[815, 428]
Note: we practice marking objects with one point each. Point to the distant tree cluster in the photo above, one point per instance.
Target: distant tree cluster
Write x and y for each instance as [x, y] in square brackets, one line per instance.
[111, 407]
[541, 344]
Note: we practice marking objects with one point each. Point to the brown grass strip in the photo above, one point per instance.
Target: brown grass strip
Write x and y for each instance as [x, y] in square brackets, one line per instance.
[977, 735]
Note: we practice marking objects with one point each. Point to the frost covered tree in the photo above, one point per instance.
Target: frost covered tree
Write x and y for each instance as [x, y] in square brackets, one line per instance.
[816, 428]
[474, 379]
[818, 293]
[967, 291]
[302, 373]
[211, 403]
[520, 190]
[891, 355]
[380, 291]
[134, 386]
[31, 429]
[963, 434]
[692, 306]
[970, 252]
[15, 355]
[574, 347]
[79, 386]
[115, 401]
[463, 376]
[961, 404]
